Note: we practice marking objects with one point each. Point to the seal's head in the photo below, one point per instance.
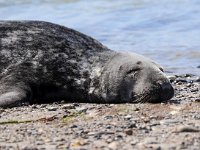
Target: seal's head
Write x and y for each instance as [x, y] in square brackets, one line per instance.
[134, 78]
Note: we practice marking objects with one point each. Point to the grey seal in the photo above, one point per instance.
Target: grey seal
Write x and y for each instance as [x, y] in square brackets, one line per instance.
[42, 62]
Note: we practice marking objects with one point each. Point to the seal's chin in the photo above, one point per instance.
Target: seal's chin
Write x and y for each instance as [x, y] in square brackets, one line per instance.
[157, 94]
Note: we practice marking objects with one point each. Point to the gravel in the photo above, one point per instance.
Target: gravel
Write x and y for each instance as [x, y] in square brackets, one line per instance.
[170, 125]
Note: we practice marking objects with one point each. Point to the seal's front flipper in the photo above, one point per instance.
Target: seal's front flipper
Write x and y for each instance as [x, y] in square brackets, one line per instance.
[13, 97]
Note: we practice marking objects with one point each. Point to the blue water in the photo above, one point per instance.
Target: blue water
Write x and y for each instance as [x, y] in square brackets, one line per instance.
[167, 31]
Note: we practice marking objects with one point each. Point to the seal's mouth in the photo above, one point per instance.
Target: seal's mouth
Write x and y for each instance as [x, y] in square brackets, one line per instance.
[160, 93]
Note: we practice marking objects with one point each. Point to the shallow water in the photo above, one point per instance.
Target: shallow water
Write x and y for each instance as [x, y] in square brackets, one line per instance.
[167, 31]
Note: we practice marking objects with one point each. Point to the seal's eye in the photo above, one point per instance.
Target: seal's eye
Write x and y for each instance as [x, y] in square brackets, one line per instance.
[134, 70]
[161, 69]
[132, 73]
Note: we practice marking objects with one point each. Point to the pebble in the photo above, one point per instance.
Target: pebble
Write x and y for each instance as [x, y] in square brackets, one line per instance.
[100, 144]
[189, 85]
[150, 140]
[181, 80]
[113, 145]
[39, 143]
[136, 109]
[134, 142]
[187, 129]
[92, 133]
[197, 79]
[81, 109]
[171, 78]
[30, 148]
[194, 90]
[68, 106]
[128, 131]
[73, 126]
[179, 83]
[34, 106]
[108, 127]
[154, 123]
[132, 125]
[42, 106]
[168, 121]
[197, 100]
[128, 117]
[108, 117]
[76, 143]
[52, 108]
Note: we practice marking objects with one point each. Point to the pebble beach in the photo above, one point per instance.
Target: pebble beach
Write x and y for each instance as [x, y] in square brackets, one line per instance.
[169, 125]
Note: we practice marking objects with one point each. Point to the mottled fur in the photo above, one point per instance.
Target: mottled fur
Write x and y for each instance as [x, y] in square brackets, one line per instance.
[43, 62]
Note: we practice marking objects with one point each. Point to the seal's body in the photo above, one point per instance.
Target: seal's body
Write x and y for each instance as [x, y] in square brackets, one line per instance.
[43, 62]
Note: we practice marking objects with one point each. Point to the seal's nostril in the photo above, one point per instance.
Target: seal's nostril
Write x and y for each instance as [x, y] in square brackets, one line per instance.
[167, 91]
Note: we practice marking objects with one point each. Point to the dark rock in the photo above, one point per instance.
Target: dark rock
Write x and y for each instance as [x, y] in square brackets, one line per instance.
[197, 100]
[73, 126]
[132, 125]
[108, 117]
[187, 129]
[194, 90]
[128, 131]
[181, 80]
[197, 79]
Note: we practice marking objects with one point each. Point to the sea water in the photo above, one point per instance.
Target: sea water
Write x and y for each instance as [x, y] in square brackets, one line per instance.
[168, 31]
